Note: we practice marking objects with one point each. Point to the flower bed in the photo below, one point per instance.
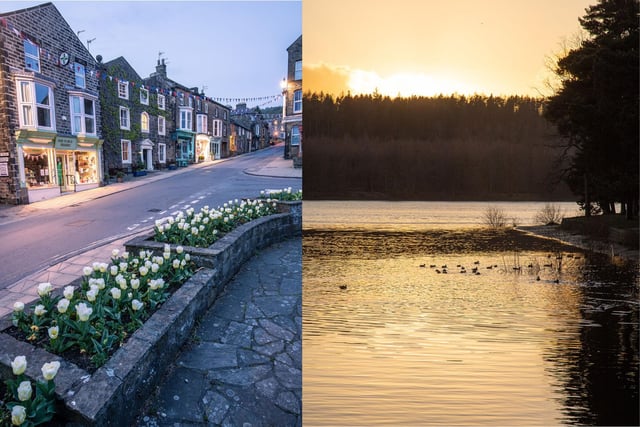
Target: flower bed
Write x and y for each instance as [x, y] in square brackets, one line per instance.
[284, 194]
[111, 395]
[201, 229]
[90, 322]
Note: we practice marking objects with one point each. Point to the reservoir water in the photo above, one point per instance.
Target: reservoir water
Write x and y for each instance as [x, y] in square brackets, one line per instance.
[518, 331]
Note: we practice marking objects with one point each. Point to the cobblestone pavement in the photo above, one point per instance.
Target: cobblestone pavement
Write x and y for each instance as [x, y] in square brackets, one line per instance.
[243, 364]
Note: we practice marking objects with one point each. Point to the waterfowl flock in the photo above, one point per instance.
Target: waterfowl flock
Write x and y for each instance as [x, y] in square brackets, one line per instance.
[554, 262]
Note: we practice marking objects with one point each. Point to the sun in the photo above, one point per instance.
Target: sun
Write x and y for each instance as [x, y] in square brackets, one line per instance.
[404, 84]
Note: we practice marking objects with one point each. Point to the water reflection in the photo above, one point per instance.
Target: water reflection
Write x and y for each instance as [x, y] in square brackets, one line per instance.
[600, 373]
[403, 344]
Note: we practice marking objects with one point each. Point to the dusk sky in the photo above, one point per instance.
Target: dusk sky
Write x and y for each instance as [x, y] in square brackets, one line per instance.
[237, 49]
[428, 47]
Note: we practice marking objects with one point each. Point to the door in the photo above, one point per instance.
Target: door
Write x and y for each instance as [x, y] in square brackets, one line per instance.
[65, 171]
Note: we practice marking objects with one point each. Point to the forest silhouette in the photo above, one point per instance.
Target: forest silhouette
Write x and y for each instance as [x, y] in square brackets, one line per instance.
[429, 148]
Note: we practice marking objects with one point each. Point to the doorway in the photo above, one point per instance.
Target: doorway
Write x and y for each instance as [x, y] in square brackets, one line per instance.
[147, 154]
[65, 171]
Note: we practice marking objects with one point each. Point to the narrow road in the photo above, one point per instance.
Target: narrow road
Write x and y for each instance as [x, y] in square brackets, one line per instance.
[46, 236]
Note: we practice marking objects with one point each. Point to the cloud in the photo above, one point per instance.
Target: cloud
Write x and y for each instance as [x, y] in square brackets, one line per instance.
[339, 79]
[333, 79]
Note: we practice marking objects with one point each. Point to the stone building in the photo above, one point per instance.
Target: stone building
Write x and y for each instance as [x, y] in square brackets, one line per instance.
[136, 120]
[212, 129]
[182, 108]
[240, 137]
[49, 110]
[256, 122]
[293, 104]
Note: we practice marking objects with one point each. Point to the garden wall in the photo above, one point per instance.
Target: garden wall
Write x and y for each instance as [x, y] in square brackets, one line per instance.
[113, 394]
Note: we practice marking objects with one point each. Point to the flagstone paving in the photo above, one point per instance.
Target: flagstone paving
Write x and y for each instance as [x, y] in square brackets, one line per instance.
[243, 364]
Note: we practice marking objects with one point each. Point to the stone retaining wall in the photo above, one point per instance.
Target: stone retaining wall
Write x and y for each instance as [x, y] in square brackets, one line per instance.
[112, 396]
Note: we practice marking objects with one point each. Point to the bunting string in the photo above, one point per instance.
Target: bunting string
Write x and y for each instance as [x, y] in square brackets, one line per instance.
[54, 58]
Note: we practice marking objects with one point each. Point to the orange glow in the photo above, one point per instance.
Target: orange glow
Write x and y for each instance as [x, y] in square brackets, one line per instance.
[428, 47]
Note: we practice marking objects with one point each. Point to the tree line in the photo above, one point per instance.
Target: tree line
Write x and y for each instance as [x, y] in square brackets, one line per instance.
[429, 148]
[595, 109]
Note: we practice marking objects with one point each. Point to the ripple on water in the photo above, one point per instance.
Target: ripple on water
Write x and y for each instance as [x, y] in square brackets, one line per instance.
[406, 345]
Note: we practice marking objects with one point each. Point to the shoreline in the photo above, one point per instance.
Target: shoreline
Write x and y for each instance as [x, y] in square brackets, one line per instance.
[554, 232]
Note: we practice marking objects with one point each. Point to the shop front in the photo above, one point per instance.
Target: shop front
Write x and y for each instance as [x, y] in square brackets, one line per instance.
[215, 148]
[51, 165]
[185, 142]
[202, 148]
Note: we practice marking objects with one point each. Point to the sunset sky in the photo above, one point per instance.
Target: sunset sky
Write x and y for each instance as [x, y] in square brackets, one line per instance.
[237, 50]
[428, 47]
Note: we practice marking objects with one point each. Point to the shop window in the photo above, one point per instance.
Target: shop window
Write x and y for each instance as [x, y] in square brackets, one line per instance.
[144, 122]
[83, 116]
[38, 169]
[86, 167]
[31, 55]
[125, 146]
[295, 135]
[161, 102]
[123, 90]
[297, 101]
[161, 125]
[124, 118]
[35, 105]
[162, 153]
[80, 71]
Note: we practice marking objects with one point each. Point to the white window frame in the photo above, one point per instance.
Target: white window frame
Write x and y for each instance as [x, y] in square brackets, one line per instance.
[82, 115]
[161, 125]
[28, 105]
[190, 101]
[217, 128]
[225, 114]
[162, 153]
[127, 125]
[296, 137]
[144, 119]
[185, 123]
[29, 56]
[126, 161]
[123, 89]
[201, 123]
[206, 107]
[161, 102]
[80, 72]
[297, 101]
[144, 99]
[297, 71]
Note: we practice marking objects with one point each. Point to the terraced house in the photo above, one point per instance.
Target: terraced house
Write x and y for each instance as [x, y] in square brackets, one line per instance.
[49, 110]
[212, 129]
[136, 120]
[292, 117]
